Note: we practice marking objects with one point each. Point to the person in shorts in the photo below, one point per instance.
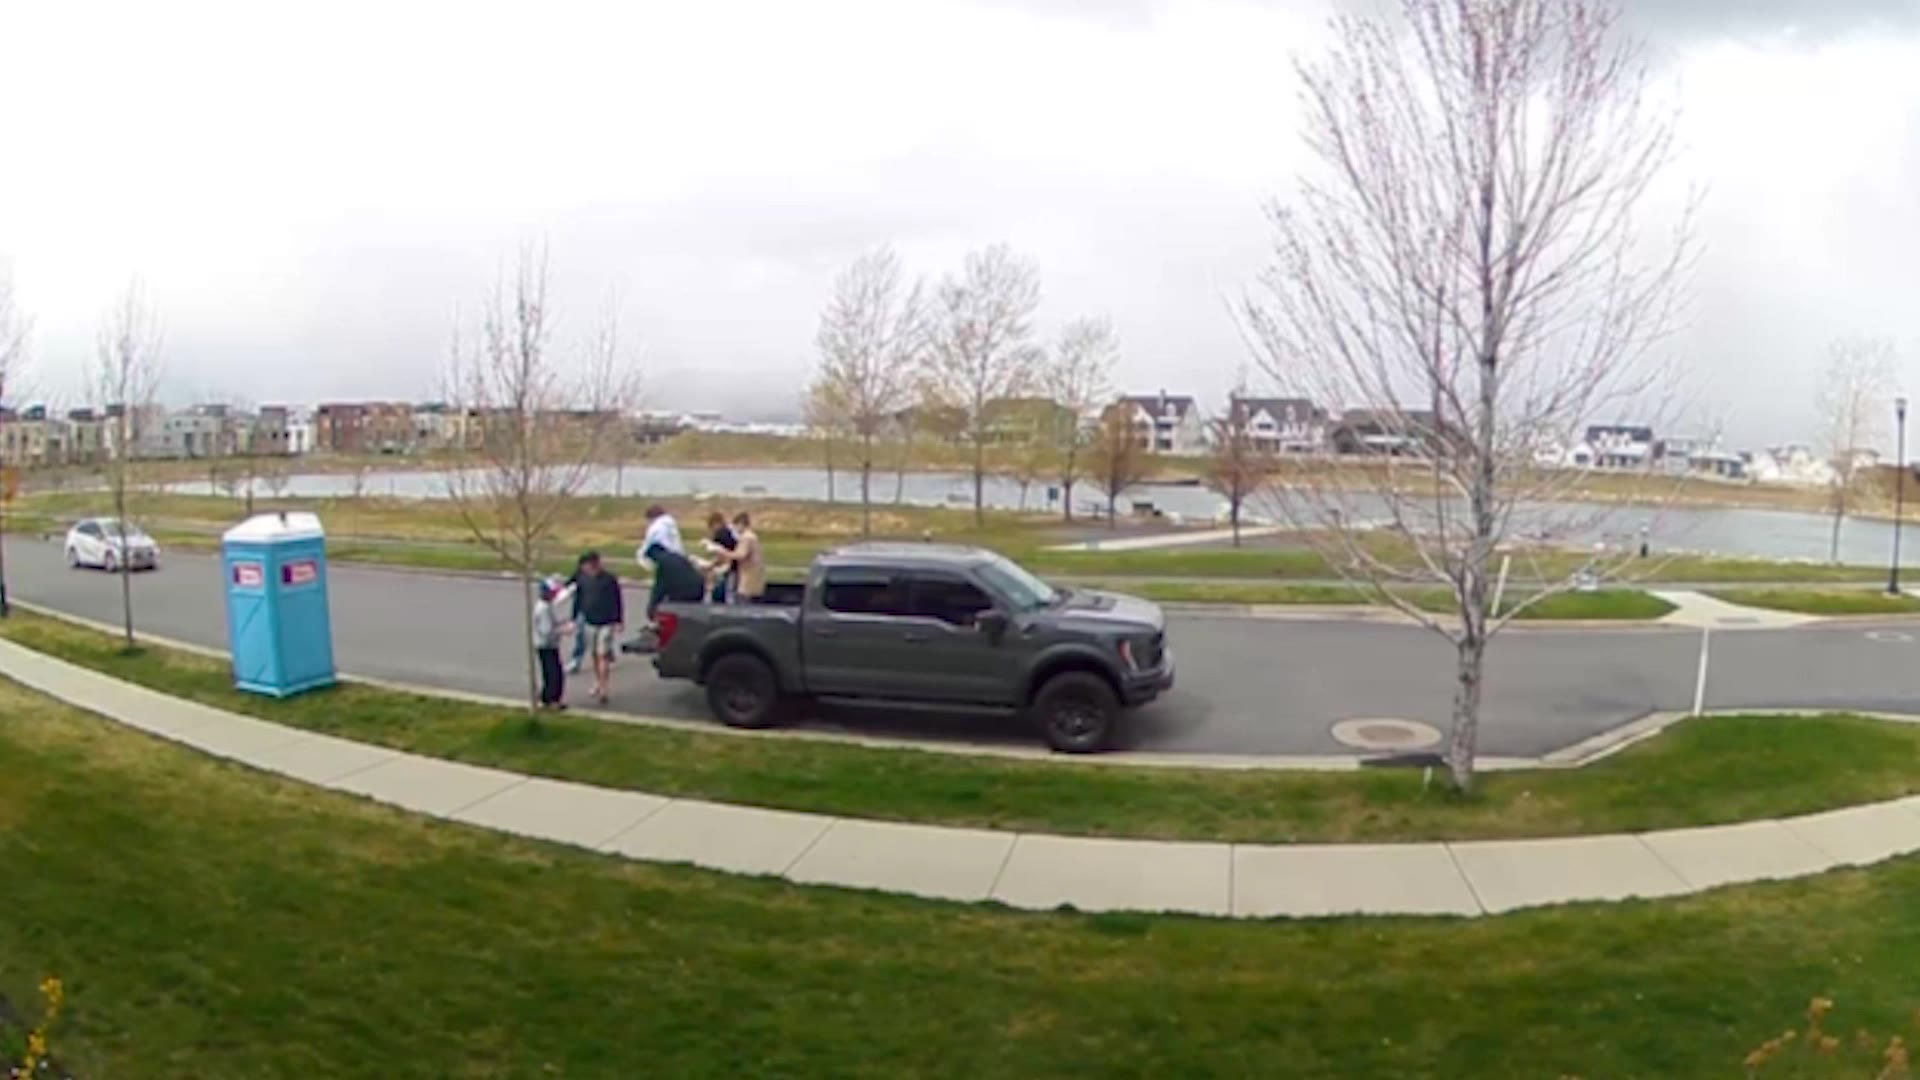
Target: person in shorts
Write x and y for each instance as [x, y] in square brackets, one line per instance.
[602, 613]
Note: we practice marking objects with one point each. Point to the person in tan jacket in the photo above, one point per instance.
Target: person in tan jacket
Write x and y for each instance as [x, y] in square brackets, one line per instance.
[749, 562]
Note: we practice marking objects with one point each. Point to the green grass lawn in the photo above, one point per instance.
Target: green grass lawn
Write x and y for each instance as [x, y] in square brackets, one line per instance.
[1823, 601]
[1702, 772]
[210, 921]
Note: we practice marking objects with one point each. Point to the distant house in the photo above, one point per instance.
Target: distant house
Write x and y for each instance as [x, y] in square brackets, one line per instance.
[1385, 432]
[1794, 464]
[1675, 453]
[654, 428]
[1718, 463]
[268, 436]
[1621, 446]
[372, 427]
[1282, 425]
[1164, 423]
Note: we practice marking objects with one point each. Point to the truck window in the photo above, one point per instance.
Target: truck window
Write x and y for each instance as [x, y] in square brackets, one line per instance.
[864, 592]
[950, 600]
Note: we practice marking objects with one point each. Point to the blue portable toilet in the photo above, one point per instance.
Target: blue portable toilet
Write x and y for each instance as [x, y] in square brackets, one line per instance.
[278, 628]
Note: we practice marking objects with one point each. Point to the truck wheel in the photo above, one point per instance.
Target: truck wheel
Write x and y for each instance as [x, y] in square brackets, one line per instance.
[1076, 711]
[742, 692]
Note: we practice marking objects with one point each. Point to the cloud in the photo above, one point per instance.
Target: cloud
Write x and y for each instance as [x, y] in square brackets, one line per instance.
[1805, 20]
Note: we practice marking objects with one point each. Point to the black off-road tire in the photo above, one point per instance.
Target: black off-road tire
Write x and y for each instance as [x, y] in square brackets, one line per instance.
[1077, 712]
[743, 692]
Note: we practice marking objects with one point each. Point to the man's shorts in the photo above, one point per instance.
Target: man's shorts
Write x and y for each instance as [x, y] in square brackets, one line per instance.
[602, 640]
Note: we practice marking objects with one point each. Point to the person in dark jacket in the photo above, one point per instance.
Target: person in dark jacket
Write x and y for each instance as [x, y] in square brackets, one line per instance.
[602, 612]
[675, 577]
[721, 544]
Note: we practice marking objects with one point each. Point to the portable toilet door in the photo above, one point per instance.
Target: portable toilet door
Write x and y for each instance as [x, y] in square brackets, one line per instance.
[279, 628]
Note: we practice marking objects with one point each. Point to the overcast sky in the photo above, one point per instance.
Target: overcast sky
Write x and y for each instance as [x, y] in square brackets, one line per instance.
[309, 192]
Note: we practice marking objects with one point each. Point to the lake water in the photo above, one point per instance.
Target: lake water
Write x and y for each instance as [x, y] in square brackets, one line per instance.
[1771, 534]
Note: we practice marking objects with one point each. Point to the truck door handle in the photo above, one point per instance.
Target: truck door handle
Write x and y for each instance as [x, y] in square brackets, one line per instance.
[914, 637]
[825, 631]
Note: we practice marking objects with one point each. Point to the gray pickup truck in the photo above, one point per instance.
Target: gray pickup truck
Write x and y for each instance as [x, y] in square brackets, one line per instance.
[924, 626]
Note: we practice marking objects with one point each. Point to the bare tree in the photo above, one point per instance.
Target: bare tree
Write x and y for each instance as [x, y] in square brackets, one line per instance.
[276, 473]
[1117, 461]
[1030, 430]
[1852, 403]
[872, 336]
[1078, 377]
[13, 356]
[1464, 262]
[826, 417]
[126, 373]
[982, 345]
[1236, 467]
[543, 427]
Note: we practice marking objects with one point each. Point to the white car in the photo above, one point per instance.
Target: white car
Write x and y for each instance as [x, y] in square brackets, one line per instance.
[101, 542]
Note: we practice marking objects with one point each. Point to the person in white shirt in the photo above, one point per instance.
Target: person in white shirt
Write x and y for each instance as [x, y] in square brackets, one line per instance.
[662, 530]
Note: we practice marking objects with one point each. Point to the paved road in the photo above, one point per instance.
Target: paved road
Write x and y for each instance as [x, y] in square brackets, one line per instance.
[1246, 686]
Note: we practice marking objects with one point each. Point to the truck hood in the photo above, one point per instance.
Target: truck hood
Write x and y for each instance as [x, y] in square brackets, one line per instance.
[1112, 609]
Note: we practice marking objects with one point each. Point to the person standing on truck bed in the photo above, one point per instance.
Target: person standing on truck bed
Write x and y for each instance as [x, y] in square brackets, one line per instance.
[602, 611]
[661, 530]
[675, 578]
[722, 545]
[750, 564]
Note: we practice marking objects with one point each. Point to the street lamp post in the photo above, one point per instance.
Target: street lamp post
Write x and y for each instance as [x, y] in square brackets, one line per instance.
[1899, 490]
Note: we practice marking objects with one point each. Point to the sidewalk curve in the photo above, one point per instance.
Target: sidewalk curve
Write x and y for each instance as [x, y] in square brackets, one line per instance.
[1022, 870]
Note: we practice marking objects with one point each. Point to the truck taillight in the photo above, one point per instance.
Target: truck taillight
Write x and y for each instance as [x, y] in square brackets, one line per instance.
[665, 623]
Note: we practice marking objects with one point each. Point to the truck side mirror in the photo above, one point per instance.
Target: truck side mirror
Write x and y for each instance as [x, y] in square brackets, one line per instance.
[993, 624]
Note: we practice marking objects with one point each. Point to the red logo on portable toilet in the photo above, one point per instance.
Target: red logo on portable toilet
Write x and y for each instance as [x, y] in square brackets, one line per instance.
[248, 575]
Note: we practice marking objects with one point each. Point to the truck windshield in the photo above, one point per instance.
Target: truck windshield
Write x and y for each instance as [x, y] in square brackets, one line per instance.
[1022, 591]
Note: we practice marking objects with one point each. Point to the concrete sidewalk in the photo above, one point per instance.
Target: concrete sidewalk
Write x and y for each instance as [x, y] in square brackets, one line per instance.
[1023, 870]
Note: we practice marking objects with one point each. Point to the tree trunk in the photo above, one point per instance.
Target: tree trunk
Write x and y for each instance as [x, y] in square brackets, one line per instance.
[1833, 545]
[1466, 710]
[5, 608]
[126, 564]
[866, 494]
[1233, 511]
[979, 480]
[527, 597]
[1066, 496]
[830, 467]
[900, 475]
[1113, 520]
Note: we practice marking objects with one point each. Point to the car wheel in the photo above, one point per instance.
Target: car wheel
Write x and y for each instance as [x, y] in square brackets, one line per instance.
[110, 562]
[73, 558]
[742, 692]
[1076, 711]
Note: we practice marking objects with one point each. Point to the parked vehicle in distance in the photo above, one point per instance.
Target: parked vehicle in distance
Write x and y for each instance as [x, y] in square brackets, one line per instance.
[104, 544]
[925, 626]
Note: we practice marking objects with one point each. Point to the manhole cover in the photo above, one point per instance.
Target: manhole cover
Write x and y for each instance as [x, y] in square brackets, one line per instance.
[1381, 733]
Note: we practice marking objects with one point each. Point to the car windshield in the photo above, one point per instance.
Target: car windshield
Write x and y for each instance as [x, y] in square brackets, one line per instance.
[1022, 590]
[110, 529]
